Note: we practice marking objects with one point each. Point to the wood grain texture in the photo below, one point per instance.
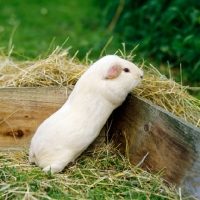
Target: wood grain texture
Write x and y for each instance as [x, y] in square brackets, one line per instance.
[22, 110]
[139, 128]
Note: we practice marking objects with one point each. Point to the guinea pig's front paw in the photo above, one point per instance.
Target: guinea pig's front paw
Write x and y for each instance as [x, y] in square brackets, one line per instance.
[53, 168]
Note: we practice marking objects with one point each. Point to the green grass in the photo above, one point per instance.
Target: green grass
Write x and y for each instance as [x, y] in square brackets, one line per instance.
[31, 26]
[104, 174]
[35, 28]
[167, 32]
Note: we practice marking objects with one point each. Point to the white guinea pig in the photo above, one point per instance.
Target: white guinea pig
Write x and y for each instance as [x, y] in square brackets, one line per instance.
[62, 137]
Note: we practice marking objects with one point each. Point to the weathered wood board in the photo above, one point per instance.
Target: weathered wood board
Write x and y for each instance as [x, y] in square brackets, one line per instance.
[22, 110]
[138, 127]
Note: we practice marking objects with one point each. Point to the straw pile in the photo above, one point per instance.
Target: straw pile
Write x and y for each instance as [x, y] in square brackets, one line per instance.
[105, 174]
[60, 70]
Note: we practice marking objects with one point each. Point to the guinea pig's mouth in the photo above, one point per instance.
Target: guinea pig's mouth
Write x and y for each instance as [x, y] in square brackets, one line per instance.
[139, 80]
[139, 77]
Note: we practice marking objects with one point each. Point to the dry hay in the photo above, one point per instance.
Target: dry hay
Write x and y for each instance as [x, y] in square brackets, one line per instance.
[58, 69]
[104, 174]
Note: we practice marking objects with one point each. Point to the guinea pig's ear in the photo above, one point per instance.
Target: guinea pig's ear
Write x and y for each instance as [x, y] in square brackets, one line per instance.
[114, 71]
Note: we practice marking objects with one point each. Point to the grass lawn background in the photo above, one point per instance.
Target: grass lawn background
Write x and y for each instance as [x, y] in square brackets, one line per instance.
[32, 27]
[37, 23]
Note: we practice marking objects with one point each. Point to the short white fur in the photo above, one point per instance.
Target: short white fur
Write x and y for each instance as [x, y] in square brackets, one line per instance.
[62, 137]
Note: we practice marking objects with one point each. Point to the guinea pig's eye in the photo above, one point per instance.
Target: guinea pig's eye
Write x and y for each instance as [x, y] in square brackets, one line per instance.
[126, 70]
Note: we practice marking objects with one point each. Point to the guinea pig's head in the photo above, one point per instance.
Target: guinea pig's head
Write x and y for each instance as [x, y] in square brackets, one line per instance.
[115, 77]
[119, 74]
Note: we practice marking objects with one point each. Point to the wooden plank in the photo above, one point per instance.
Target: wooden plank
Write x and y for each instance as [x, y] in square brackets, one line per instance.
[22, 110]
[140, 128]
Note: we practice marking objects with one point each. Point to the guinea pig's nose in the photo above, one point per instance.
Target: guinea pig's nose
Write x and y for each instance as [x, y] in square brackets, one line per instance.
[141, 77]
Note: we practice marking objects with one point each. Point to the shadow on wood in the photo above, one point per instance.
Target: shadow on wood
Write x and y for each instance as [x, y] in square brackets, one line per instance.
[139, 127]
